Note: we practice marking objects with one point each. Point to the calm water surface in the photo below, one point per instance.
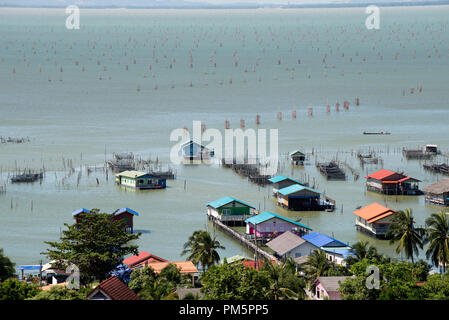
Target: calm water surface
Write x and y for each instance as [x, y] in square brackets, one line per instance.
[127, 78]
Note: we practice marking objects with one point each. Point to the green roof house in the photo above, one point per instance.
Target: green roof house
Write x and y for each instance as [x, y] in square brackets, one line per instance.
[229, 210]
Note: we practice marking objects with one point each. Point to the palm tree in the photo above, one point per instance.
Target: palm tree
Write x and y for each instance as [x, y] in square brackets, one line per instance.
[277, 273]
[403, 230]
[316, 266]
[202, 249]
[438, 236]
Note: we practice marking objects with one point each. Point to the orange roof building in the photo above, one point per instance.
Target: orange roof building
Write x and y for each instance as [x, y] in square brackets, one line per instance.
[184, 266]
[374, 219]
[392, 183]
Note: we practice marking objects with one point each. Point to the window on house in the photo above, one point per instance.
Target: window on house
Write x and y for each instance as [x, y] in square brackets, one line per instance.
[267, 229]
[297, 254]
[281, 228]
[318, 293]
[226, 211]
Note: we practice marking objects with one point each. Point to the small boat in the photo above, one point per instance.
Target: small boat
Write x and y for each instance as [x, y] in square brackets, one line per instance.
[379, 132]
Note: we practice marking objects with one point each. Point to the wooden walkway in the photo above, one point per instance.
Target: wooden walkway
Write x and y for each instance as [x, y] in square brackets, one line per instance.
[245, 242]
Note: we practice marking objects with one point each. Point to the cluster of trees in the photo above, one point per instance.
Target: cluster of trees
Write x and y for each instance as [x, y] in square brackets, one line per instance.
[411, 239]
[97, 245]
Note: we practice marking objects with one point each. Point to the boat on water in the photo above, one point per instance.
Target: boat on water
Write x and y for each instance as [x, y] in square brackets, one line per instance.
[376, 132]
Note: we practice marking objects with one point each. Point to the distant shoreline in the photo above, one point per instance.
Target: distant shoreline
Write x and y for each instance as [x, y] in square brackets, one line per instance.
[248, 6]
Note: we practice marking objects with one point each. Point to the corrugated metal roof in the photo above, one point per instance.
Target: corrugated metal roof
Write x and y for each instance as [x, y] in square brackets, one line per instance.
[374, 212]
[77, 212]
[381, 174]
[285, 242]
[331, 284]
[282, 178]
[295, 188]
[264, 216]
[133, 174]
[224, 201]
[119, 211]
[321, 240]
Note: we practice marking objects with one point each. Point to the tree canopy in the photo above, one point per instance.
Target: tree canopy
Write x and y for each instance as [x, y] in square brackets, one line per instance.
[96, 245]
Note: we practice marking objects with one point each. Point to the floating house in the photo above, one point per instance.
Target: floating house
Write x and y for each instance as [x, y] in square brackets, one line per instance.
[269, 225]
[300, 198]
[392, 183]
[374, 220]
[289, 244]
[429, 151]
[142, 258]
[193, 152]
[123, 214]
[112, 289]
[438, 192]
[77, 214]
[127, 216]
[230, 211]
[297, 158]
[280, 182]
[139, 180]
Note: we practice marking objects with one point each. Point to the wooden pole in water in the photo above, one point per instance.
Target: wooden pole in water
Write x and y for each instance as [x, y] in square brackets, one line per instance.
[294, 114]
[257, 119]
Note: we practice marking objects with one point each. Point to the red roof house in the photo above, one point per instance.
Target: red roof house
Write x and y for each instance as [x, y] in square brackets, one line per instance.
[142, 258]
[392, 183]
[112, 289]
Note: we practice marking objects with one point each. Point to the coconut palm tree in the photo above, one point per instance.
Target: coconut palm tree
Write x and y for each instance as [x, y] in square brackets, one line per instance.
[278, 274]
[316, 266]
[202, 249]
[402, 230]
[438, 237]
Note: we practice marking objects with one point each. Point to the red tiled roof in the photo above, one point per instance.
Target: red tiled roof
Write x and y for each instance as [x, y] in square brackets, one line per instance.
[381, 174]
[252, 263]
[116, 289]
[141, 257]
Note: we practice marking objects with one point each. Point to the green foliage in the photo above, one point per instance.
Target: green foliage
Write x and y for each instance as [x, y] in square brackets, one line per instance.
[202, 249]
[403, 231]
[438, 237]
[151, 286]
[62, 293]
[6, 267]
[13, 289]
[436, 287]
[96, 245]
[318, 265]
[285, 283]
[397, 281]
[235, 282]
